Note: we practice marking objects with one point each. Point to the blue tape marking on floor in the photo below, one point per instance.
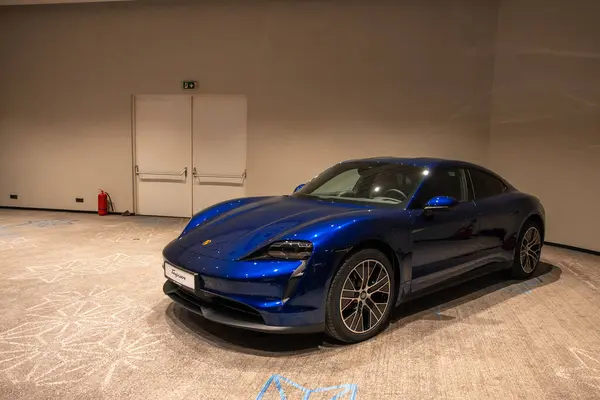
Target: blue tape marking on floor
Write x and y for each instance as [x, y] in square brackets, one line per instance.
[264, 388]
[521, 288]
[534, 282]
[345, 392]
[279, 389]
[46, 222]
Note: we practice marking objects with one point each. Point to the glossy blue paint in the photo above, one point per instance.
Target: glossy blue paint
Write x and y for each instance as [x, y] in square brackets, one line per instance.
[300, 186]
[441, 202]
[428, 248]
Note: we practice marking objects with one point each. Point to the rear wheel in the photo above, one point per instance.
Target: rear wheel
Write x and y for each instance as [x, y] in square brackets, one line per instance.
[361, 297]
[527, 255]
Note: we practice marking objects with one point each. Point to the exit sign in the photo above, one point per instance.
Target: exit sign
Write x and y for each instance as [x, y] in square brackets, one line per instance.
[189, 85]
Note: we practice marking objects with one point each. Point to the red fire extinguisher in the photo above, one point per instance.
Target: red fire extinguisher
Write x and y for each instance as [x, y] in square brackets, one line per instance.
[102, 203]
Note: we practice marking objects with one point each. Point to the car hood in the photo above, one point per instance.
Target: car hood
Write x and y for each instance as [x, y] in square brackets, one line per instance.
[240, 231]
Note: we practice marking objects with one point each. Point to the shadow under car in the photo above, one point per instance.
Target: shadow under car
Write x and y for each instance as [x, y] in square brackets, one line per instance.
[428, 306]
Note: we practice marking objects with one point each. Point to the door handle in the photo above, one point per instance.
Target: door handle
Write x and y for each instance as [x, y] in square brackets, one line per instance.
[182, 173]
[242, 176]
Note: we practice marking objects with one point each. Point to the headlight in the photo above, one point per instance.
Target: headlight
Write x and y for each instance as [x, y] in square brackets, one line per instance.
[291, 249]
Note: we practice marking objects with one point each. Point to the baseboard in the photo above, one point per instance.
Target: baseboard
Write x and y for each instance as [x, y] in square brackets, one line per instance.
[574, 248]
[55, 210]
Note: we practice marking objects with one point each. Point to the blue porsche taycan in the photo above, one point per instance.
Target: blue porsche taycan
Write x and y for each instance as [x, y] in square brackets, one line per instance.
[341, 252]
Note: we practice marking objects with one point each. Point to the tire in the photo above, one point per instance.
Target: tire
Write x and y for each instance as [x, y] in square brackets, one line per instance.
[360, 314]
[526, 262]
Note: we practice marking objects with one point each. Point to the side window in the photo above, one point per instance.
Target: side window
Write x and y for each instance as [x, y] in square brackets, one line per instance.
[485, 185]
[450, 182]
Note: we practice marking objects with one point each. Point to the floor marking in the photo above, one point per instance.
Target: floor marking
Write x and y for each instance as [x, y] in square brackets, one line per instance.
[45, 223]
[74, 336]
[347, 391]
[51, 273]
[564, 266]
[133, 231]
[16, 243]
[588, 371]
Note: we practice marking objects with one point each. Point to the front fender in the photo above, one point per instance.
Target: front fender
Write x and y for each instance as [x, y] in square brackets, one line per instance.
[332, 240]
[347, 231]
[335, 238]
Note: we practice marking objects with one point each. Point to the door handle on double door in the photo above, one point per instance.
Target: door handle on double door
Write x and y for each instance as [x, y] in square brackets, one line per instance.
[242, 176]
[182, 173]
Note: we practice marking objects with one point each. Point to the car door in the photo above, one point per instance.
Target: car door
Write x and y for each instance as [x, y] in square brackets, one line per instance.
[497, 215]
[444, 243]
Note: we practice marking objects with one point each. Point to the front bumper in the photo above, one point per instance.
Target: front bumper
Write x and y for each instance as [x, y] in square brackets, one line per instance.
[229, 312]
[264, 295]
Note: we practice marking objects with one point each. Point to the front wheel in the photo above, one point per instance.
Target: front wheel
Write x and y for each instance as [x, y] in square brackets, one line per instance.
[361, 297]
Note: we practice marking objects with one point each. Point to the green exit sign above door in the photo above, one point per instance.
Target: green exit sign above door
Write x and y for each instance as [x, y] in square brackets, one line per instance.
[189, 85]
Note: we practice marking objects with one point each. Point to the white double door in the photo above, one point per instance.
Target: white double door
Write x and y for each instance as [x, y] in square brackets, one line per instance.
[190, 152]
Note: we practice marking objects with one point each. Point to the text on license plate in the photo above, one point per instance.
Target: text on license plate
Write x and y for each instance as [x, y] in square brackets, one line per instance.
[179, 276]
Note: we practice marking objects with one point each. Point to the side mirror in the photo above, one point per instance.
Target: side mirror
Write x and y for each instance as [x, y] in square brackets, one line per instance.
[439, 203]
[299, 187]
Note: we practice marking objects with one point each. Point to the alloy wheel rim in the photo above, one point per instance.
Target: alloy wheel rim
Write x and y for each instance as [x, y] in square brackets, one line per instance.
[530, 249]
[365, 296]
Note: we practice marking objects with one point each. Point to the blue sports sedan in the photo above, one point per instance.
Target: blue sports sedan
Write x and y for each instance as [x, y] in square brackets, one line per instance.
[346, 248]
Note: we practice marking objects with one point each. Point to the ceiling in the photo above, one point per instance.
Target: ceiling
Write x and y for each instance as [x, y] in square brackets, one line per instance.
[30, 2]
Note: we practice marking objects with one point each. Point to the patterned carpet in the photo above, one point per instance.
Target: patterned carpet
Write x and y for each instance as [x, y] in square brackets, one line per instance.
[84, 317]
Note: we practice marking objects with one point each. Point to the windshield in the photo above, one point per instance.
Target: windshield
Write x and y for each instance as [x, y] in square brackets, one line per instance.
[366, 181]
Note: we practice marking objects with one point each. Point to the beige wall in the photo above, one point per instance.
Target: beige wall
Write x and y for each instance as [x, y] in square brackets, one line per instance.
[325, 82]
[545, 131]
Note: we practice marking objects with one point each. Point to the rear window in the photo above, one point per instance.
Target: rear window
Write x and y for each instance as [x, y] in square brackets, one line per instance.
[486, 185]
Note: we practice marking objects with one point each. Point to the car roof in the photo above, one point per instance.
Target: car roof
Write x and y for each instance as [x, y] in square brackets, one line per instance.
[430, 162]
[419, 161]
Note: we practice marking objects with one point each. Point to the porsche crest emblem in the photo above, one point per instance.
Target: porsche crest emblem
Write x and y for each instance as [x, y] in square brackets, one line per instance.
[206, 242]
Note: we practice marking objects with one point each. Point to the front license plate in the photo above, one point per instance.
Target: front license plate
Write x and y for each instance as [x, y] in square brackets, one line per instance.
[180, 276]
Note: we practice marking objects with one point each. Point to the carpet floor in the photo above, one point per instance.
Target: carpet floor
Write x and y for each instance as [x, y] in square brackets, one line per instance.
[83, 316]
